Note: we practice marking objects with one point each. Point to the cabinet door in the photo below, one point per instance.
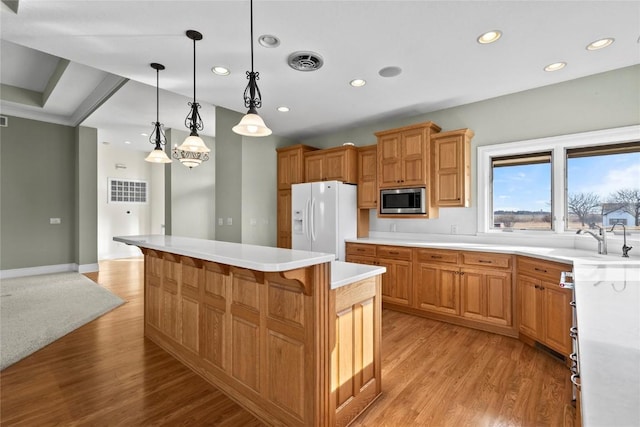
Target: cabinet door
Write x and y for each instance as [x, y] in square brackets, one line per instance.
[530, 306]
[335, 166]
[289, 169]
[557, 317]
[314, 167]
[414, 157]
[396, 281]
[389, 161]
[367, 178]
[437, 288]
[284, 219]
[486, 296]
[448, 174]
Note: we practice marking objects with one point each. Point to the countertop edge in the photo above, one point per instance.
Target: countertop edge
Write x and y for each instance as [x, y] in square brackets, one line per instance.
[267, 267]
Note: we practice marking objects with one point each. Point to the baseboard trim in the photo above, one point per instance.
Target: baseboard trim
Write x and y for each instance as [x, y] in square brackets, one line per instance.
[34, 271]
[87, 268]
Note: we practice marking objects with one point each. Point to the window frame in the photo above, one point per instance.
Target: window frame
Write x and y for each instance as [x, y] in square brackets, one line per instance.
[558, 146]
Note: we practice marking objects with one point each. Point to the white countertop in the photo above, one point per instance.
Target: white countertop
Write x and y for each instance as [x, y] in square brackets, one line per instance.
[260, 258]
[566, 255]
[608, 310]
[344, 273]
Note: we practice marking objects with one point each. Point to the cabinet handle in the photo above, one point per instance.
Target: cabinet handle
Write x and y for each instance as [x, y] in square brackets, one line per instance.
[572, 304]
[394, 253]
[485, 261]
[360, 249]
[462, 273]
[542, 270]
[436, 257]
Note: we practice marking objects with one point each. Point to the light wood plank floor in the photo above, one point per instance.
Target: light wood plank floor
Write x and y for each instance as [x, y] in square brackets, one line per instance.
[434, 374]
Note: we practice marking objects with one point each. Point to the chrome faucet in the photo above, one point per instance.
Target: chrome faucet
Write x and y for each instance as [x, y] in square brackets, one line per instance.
[625, 248]
[601, 237]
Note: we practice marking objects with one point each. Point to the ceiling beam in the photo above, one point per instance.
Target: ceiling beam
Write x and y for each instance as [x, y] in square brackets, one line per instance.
[54, 79]
[19, 95]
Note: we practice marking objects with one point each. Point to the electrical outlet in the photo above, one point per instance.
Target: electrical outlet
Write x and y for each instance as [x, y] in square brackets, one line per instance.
[54, 221]
[454, 229]
[229, 221]
[220, 221]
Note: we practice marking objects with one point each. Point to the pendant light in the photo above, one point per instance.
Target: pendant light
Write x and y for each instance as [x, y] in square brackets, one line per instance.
[252, 124]
[157, 136]
[193, 151]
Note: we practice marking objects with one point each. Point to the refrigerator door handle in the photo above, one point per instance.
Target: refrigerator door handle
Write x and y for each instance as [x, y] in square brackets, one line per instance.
[307, 208]
[312, 220]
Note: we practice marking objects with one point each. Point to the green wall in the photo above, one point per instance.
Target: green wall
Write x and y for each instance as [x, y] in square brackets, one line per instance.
[37, 175]
[228, 176]
[601, 101]
[86, 197]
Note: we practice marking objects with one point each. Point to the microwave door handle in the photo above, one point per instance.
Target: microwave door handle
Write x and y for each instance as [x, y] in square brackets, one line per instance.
[312, 217]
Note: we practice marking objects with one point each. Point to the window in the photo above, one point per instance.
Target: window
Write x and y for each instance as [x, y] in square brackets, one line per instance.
[521, 188]
[127, 191]
[602, 181]
[561, 183]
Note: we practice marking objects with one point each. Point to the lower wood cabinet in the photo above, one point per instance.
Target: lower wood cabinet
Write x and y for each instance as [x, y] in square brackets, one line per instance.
[437, 288]
[396, 282]
[472, 289]
[545, 313]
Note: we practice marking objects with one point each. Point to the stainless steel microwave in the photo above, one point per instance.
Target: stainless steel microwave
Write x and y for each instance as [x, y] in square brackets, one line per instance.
[403, 201]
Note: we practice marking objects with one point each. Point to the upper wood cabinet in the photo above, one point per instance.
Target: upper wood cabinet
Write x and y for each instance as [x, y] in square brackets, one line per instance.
[291, 165]
[333, 164]
[290, 171]
[451, 153]
[403, 155]
[367, 177]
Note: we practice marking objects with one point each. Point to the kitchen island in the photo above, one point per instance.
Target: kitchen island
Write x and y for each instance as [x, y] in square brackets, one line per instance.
[292, 336]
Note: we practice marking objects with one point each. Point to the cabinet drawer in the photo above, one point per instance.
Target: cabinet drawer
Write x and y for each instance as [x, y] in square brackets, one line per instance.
[486, 259]
[544, 270]
[361, 249]
[437, 256]
[394, 252]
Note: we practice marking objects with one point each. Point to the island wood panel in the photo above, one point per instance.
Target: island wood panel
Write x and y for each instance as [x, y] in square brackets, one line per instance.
[355, 360]
[268, 339]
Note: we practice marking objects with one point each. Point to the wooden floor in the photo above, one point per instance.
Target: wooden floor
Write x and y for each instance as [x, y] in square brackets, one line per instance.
[433, 374]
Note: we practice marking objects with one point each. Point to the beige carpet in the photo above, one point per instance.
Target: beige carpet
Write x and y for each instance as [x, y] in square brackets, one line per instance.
[37, 310]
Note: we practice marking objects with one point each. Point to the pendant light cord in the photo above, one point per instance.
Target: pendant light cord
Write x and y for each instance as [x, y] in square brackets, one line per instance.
[194, 70]
[251, 15]
[157, 95]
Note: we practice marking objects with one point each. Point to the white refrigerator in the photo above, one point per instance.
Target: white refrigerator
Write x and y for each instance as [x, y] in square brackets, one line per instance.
[323, 215]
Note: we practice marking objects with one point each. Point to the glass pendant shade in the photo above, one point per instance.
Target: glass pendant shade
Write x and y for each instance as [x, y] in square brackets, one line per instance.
[252, 125]
[194, 144]
[157, 155]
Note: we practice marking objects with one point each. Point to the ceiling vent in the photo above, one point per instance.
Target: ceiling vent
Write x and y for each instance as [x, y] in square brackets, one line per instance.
[305, 61]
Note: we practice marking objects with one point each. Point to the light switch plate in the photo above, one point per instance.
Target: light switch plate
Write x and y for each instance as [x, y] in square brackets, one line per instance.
[54, 221]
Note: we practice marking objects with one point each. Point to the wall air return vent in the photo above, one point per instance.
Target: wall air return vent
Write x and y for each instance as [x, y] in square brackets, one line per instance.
[305, 61]
[4, 121]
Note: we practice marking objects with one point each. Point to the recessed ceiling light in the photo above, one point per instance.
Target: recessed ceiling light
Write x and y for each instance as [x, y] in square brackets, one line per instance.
[283, 109]
[489, 37]
[555, 66]
[390, 71]
[220, 70]
[357, 82]
[267, 40]
[127, 142]
[144, 134]
[599, 44]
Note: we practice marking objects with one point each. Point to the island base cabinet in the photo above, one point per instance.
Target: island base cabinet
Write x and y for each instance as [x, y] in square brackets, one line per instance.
[355, 361]
[283, 345]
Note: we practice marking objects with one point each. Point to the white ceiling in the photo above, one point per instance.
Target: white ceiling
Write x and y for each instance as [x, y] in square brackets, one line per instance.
[434, 42]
